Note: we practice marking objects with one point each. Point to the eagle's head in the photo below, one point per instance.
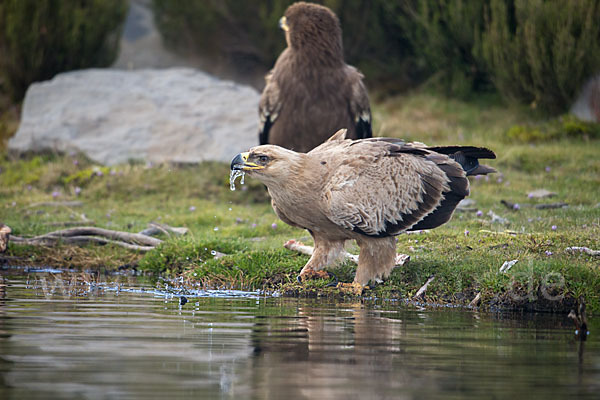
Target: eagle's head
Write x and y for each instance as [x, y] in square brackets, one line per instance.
[268, 163]
[313, 30]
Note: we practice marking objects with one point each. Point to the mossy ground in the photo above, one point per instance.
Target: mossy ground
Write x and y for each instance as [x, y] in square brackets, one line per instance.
[464, 255]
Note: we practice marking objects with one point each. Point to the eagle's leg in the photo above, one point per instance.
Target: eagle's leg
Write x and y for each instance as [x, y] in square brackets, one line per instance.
[376, 260]
[326, 252]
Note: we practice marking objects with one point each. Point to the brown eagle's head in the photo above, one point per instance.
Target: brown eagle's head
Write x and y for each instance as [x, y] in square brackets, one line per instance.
[313, 30]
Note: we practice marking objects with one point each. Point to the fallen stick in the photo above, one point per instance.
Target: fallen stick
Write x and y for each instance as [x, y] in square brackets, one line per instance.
[476, 300]
[89, 234]
[585, 250]
[301, 248]
[423, 289]
[134, 238]
[506, 265]
[551, 205]
[76, 240]
[155, 228]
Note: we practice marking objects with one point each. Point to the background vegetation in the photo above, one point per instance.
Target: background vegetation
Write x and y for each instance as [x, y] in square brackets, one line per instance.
[40, 38]
[535, 52]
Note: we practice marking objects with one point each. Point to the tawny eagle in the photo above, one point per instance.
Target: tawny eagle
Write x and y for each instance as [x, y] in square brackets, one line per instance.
[311, 91]
[369, 190]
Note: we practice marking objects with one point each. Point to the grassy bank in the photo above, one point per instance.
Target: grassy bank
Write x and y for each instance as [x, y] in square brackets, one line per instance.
[465, 255]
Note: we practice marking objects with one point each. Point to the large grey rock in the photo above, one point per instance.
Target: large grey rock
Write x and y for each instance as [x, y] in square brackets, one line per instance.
[587, 105]
[178, 115]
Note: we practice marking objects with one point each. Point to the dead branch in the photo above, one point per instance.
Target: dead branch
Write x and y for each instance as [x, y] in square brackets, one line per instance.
[423, 289]
[133, 238]
[585, 250]
[476, 300]
[76, 240]
[89, 234]
[506, 265]
[154, 228]
[551, 205]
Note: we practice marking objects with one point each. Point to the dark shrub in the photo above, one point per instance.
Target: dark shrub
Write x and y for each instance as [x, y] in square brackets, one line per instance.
[40, 38]
[444, 34]
[244, 35]
[541, 52]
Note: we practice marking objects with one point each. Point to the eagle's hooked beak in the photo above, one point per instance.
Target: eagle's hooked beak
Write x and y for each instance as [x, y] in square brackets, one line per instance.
[283, 24]
[240, 163]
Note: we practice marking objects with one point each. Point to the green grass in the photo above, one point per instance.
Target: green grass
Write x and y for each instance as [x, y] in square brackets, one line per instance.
[464, 255]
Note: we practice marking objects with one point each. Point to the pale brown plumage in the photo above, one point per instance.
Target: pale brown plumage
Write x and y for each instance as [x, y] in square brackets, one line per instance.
[368, 190]
[311, 92]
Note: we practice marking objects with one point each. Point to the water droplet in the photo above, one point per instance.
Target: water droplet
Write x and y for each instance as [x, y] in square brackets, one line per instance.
[233, 176]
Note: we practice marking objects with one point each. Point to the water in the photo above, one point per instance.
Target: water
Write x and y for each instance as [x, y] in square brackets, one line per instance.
[62, 338]
[233, 175]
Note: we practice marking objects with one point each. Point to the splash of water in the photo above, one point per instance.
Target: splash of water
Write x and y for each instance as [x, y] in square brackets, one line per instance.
[233, 176]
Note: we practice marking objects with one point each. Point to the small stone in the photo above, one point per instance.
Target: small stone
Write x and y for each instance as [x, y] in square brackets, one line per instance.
[540, 194]
[465, 203]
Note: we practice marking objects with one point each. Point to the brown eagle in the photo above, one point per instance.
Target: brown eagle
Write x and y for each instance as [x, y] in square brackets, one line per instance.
[369, 190]
[311, 91]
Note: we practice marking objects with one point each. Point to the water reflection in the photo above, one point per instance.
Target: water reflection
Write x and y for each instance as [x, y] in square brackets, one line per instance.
[71, 342]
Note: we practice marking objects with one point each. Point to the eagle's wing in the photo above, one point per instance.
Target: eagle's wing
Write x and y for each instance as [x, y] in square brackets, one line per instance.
[385, 188]
[359, 104]
[268, 108]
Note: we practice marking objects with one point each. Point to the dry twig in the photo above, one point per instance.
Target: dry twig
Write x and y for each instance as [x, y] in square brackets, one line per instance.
[585, 250]
[89, 234]
[476, 300]
[423, 289]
